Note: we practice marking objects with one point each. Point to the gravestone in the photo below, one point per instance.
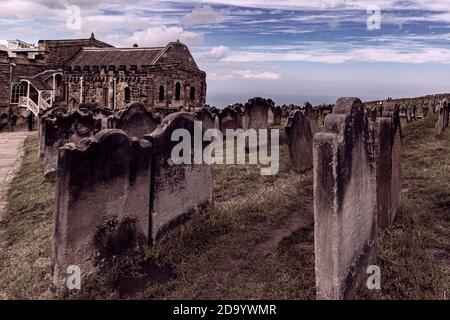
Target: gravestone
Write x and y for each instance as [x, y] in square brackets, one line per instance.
[229, 120]
[102, 202]
[311, 115]
[178, 190]
[277, 113]
[136, 120]
[299, 138]
[65, 128]
[388, 165]
[208, 119]
[256, 113]
[270, 116]
[47, 114]
[344, 201]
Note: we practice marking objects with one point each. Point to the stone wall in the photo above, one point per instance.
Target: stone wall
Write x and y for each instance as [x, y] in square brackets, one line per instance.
[344, 200]
[101, 85]
[102, 202]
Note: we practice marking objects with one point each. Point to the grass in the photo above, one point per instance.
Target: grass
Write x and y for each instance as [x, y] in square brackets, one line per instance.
[256, 242]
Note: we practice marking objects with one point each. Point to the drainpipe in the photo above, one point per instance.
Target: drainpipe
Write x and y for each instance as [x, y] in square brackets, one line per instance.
[114, 93]
[81, 89]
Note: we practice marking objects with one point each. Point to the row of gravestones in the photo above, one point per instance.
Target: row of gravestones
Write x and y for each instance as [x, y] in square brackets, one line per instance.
[57, 127]
[117, 187]
[116, 191]
[443, 117]
[356, 187]
[356, 193]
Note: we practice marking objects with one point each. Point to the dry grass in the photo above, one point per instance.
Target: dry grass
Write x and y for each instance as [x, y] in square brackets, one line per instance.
[256, 242]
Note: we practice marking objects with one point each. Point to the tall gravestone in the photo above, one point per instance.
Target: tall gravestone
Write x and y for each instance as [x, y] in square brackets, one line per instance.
[388, 165]
[309, 112]
[136, 120]
[65, 128]
[177, 190]
[344, 201]
[442, 121]
[300, 138]
[277, 114]
[102, 202]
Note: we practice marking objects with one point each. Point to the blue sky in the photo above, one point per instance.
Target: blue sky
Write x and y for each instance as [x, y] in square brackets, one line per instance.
[291, 51]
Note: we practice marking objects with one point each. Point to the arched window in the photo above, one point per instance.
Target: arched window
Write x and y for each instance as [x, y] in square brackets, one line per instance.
[127, 94]
[178, 91]
[192, 93]
[18, 90]
[161, 93]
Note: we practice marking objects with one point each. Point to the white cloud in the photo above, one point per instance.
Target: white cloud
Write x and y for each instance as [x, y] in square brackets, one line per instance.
[218, 53]
[201, 16]
[257, 75]
[156, 37]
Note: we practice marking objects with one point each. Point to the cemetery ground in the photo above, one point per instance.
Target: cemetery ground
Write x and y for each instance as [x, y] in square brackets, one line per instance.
[256, 242]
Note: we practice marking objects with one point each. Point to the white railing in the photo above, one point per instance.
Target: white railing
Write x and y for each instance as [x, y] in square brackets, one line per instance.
[46, 95]
[29, 104]
[44, 104]
[23, 102]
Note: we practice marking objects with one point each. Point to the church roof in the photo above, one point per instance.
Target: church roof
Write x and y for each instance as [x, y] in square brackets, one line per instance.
[116, 56]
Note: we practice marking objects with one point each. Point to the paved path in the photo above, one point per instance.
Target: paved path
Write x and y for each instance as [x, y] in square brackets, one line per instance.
[11, 149]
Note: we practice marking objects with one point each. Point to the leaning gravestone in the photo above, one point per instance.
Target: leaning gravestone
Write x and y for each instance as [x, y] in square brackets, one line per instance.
[300, 138]
[441, 121]
[136, 120]
[344, 201]
[388, 165]
[178, 190]
[65, 128]
[102, 202]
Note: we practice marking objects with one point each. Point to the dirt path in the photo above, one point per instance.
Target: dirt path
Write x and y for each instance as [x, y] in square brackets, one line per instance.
[11, 150]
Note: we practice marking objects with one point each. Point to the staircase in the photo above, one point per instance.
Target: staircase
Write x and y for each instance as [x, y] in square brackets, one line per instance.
[44, 103]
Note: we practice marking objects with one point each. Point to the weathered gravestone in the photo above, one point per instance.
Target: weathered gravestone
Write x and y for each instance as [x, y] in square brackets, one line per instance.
[229, 119]
[136, 120]
[442, 121]
[299, 138]
[311, 115]
[271, 116]
[277, 113]
[344, 201]
[47, 114]
[256, 113]
[388, 165]
[65, 128]
[102, 202]
[208, 119]
[177, 190]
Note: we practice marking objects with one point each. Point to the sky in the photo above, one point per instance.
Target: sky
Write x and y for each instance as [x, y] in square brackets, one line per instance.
[290, 51]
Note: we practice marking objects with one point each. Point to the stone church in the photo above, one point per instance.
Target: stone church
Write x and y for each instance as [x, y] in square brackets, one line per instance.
[91, 72]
